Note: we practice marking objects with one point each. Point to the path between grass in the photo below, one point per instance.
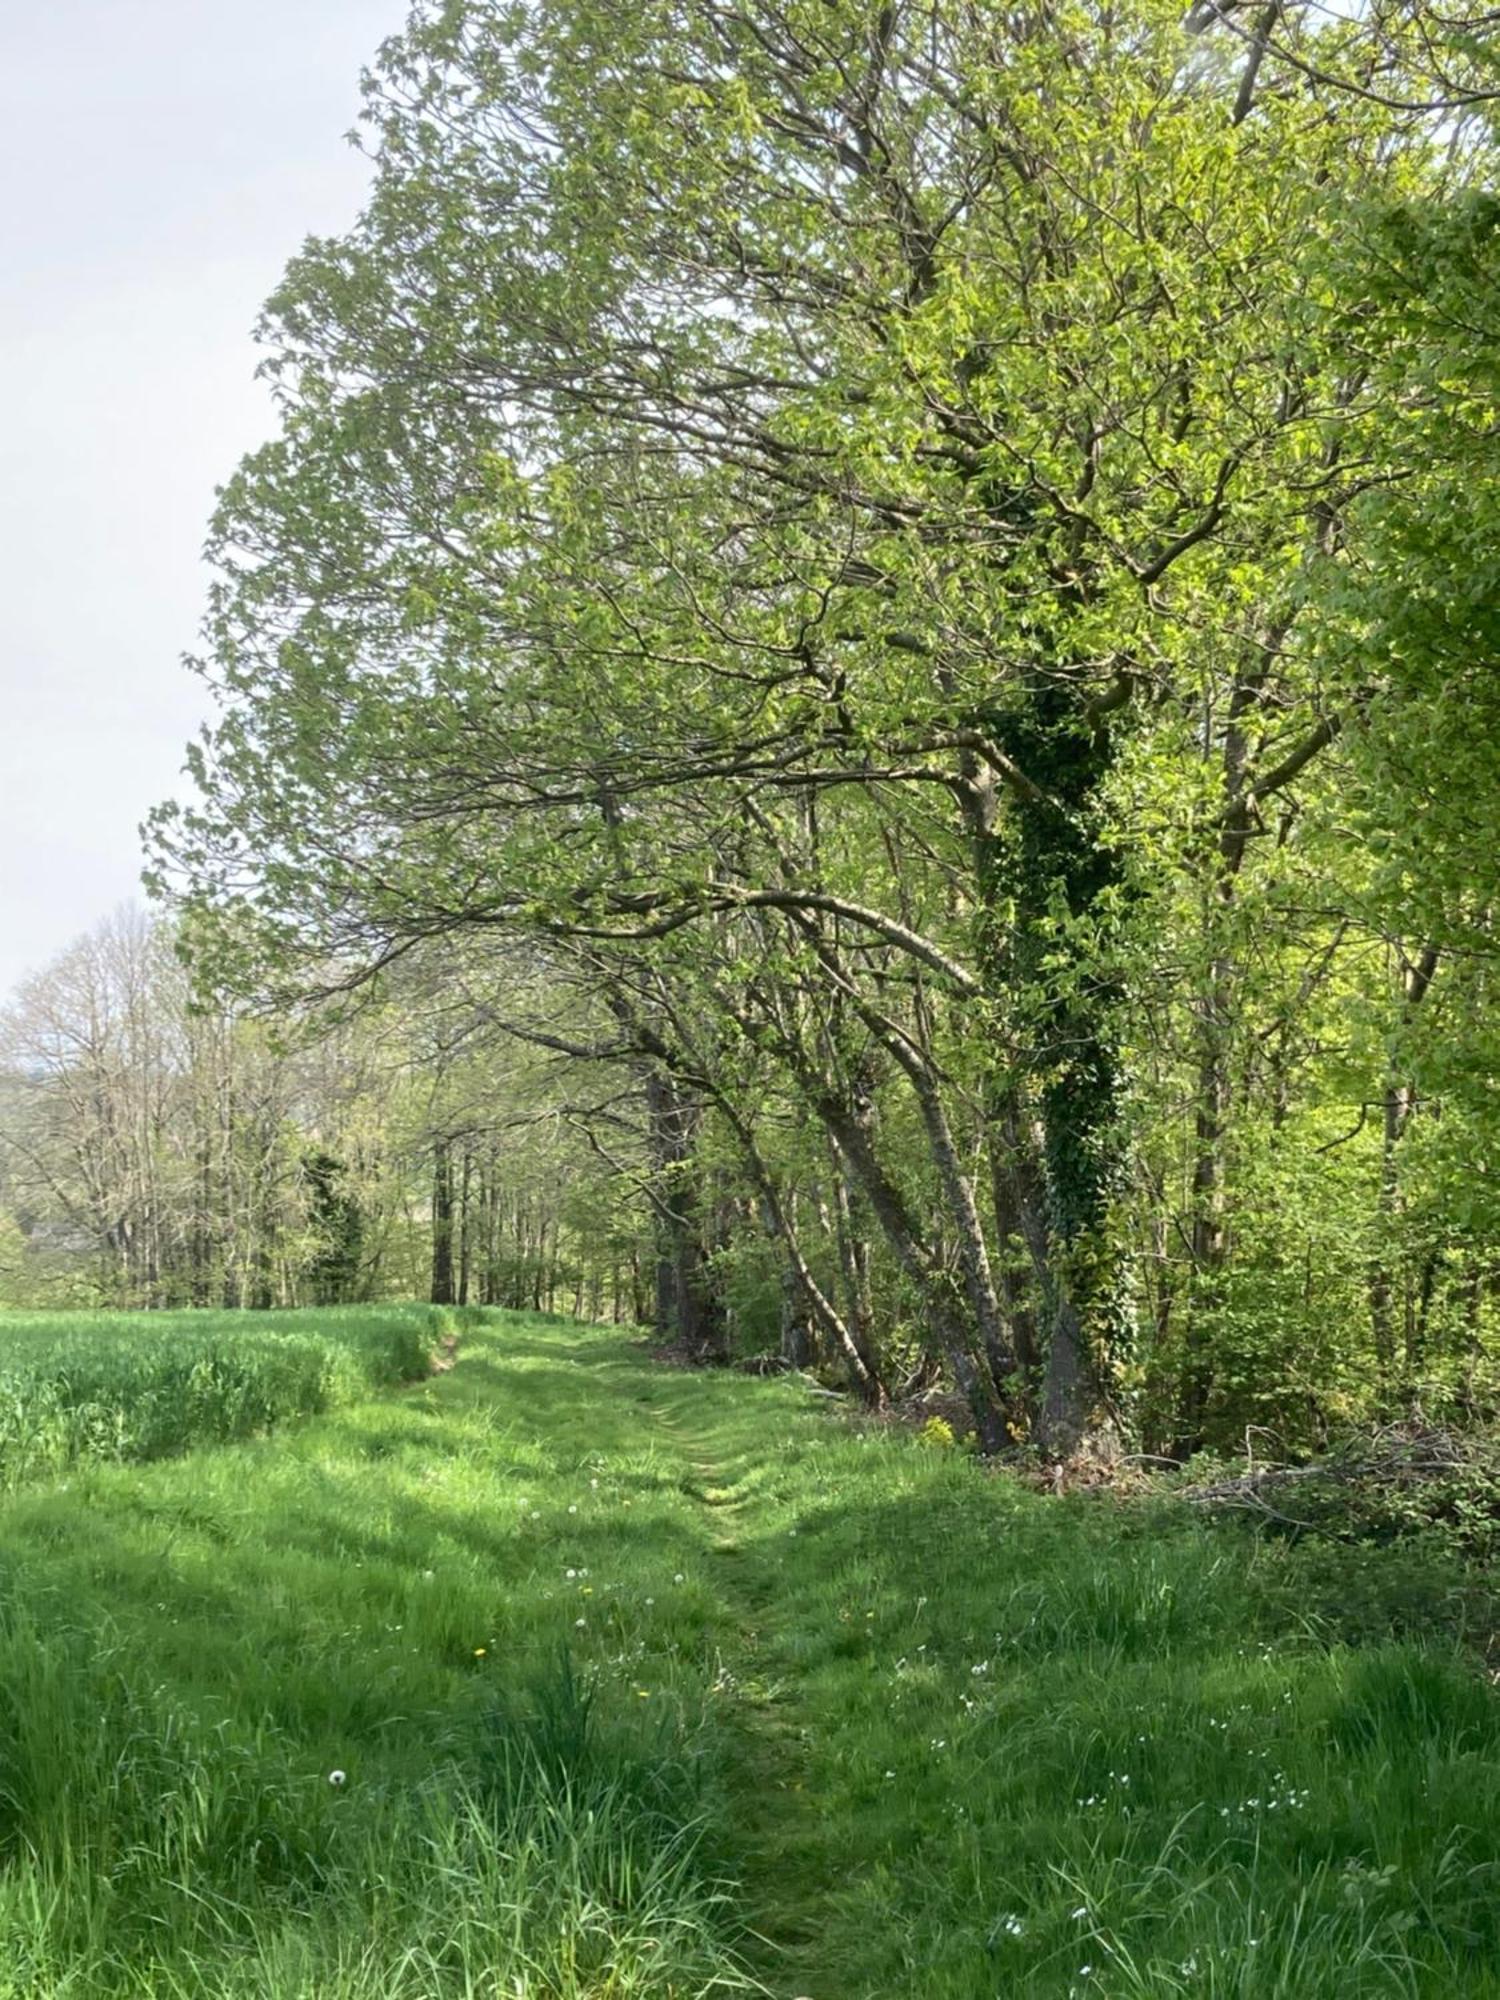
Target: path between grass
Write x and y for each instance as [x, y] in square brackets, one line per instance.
[976, 1742]
[780, 1845]
[949, 1739]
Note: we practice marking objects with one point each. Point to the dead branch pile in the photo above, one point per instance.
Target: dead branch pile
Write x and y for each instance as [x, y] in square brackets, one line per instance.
[1386, 1482]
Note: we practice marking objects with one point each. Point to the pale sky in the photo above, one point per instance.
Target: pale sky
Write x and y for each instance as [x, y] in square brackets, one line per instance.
[159, 162]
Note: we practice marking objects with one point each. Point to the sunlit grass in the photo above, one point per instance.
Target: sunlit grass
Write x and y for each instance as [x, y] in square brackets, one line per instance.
[632, 1675]
[129, 1386]
[300, 1717]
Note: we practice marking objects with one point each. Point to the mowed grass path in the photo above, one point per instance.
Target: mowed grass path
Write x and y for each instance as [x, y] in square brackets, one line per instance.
[642, 1682]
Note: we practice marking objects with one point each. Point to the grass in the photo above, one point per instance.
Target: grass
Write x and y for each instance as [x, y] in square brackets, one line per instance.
[652, 1683]
[134, 1386]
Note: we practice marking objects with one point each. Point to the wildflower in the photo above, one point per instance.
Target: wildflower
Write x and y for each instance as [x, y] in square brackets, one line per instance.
[644, 1693]
[337, 1777]
[649, 1602]
[581, 1623]
[428, 1575]
[1012, 1925]
[570, 1574]
[1080, 1913]
[679, 1578]
[480, 1651]
[572, 1510]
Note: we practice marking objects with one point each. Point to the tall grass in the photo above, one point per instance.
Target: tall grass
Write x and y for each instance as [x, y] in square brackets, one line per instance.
[150, 1848]
[590, 1640]
[133, 1386]
[191, 1650]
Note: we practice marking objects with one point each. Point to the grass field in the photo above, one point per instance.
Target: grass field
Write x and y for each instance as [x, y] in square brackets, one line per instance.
[113, 1386]
[640, 1682]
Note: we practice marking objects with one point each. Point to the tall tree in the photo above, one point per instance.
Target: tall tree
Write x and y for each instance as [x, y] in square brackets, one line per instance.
[824, 500]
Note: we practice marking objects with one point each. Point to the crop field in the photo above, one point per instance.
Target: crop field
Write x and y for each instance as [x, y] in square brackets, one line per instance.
[545, 1680]
[139, 1386]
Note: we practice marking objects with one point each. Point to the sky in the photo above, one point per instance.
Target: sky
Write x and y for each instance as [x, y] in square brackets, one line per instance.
[160, 160]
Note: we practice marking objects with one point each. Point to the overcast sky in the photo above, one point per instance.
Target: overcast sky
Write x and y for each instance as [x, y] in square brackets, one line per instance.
[159, 162]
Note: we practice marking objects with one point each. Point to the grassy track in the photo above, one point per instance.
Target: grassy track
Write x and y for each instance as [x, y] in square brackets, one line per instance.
[945, 1737]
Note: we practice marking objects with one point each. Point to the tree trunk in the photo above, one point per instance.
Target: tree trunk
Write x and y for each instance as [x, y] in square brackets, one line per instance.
[688, 1309]
[442, 1225]
[1398, 1103]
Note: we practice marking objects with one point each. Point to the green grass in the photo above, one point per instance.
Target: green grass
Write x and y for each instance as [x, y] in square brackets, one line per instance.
[638, 1677]
[139, 1386]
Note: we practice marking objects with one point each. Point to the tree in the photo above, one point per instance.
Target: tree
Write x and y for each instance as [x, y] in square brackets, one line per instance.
[814, 512]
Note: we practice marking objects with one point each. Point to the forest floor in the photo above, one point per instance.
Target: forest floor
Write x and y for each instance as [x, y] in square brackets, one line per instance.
[568, 1676]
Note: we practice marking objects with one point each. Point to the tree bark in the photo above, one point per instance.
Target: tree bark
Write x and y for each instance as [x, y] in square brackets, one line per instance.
[442, 1224]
